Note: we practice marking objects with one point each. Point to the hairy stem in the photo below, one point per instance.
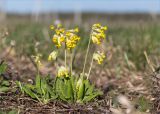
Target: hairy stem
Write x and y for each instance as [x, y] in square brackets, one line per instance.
[56, 66]
[65, 52]
[86, 55]
[90, 69]
[38, 70]
[71, 62]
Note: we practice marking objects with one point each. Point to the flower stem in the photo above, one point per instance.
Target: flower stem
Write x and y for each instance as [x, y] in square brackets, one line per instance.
[90, 69]
[71, 62]
[38, 70]
[65, 52]
[86, 55]
[56, 66]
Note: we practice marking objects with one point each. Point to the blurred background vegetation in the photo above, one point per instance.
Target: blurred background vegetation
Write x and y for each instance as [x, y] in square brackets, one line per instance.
[132, 33]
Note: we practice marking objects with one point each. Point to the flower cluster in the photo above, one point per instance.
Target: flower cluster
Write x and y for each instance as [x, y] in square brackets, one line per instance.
[59, 36]
[37, 60]
[52, 56]
[69, 37]
[70, 40]
[63, 71]
[98, 33]
[52, 27]
[99, 57]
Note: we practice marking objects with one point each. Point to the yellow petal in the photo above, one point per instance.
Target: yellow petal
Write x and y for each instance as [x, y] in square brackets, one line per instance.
[52, 27]
[52, 56]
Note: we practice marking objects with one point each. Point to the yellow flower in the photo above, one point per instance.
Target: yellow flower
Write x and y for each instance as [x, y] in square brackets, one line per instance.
[71, 38]
[63, 71]
[58, 40]
[59, 36]
[59, 25]
[60, 31]
[52, 56]
[99, 57]
[37, 60]
[51, 27]
[99, 26]
[98, 33]
[76, 30]
[95, 40]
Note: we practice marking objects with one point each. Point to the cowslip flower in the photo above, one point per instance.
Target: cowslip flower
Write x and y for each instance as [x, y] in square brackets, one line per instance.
[51, 27]
[99, 57]
[63, 71]
[58, 40]
[37, 60]
[98, 33]
[59, 36]
[72, 38]
[76, 30]
[52, 56]
[69, 37]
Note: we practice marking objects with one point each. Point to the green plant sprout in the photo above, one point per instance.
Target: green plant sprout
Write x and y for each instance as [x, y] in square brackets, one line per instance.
[66, 86]
[41, 90]
[4, 84]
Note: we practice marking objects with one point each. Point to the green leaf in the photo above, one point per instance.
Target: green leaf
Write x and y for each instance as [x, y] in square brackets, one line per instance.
[88, 87]
[38, 84]
[32, 87]
[47, 96]
[5, 83]
[3, 68]
[143, 103]
[67, 89]
[13, 112]
[81, 90]
[3, 89]
[53, 96]
[89, 98]
[18, 83]
[42, 91]
[60, 89]
[64, 88]
[57, 87]
[70, 90]
[74, 80]
[28, 91]
[43, 86]
[51, 92]
[93, 95]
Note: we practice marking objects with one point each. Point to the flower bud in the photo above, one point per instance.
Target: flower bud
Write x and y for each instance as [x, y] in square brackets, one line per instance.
[52, 56]
[63, 71]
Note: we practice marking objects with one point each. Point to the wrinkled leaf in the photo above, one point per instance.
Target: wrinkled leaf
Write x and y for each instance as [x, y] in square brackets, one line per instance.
[38, 84]
[81, 90]
[3, 68]
[28, 91]
[3, 89]
[5, 83]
